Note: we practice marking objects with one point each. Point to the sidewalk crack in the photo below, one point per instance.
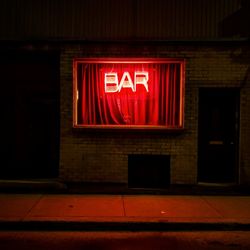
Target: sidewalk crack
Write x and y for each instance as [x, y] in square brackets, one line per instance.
[123, 205]
[29, 211]
[211, 205]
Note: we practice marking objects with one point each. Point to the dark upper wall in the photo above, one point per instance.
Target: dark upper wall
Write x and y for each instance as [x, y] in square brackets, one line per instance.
[123, 19]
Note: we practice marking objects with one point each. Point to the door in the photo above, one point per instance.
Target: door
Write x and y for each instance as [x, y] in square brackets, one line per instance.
[30, 114]
[218, 135]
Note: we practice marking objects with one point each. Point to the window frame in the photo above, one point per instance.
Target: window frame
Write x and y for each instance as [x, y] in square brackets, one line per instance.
[78, 61]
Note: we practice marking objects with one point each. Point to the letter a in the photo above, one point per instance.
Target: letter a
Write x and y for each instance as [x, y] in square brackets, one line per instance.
[126, 82]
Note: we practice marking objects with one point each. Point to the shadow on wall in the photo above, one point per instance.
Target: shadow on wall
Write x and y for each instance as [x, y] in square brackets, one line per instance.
[237, 24]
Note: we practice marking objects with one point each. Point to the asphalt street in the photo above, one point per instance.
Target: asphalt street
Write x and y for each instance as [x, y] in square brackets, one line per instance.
[22, 240]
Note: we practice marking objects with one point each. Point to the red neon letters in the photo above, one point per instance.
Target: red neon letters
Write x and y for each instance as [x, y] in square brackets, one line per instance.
[112, 83]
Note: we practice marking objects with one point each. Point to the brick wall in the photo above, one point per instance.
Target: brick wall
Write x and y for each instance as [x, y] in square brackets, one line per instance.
[102, 156]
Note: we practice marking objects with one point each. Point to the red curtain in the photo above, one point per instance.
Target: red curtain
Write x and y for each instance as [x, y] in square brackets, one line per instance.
[159, 105]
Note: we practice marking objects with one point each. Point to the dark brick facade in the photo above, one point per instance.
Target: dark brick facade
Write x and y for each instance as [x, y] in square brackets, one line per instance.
[102, 156]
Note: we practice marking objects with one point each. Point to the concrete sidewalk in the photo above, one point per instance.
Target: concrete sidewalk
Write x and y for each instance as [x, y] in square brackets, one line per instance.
[123, 212]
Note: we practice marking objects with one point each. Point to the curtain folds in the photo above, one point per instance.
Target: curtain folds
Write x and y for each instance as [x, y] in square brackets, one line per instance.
[157, 105]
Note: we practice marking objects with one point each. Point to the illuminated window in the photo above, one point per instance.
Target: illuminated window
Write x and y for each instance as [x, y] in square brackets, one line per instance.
[128, 93]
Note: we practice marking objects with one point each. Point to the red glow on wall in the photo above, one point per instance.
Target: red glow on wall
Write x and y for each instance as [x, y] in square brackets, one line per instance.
[134, 93]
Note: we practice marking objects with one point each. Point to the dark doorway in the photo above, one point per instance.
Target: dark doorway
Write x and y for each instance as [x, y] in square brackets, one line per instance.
[148, 171]
[218, 135]
[29, 114]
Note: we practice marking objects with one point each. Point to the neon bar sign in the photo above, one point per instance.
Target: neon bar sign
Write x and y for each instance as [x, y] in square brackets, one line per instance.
[135, 93]
[112, 83]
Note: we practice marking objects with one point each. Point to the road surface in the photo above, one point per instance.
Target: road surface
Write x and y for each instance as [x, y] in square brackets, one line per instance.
[24, 240]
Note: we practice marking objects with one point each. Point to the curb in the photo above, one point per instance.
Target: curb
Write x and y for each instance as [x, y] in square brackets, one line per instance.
[120, 226]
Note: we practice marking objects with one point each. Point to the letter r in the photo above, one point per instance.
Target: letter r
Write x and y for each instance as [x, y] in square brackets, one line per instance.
[141, 78]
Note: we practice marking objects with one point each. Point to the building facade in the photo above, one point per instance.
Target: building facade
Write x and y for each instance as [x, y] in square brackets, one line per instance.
[38, 50]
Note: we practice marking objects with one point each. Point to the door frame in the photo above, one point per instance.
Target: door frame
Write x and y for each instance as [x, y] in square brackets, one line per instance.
[235, 90]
